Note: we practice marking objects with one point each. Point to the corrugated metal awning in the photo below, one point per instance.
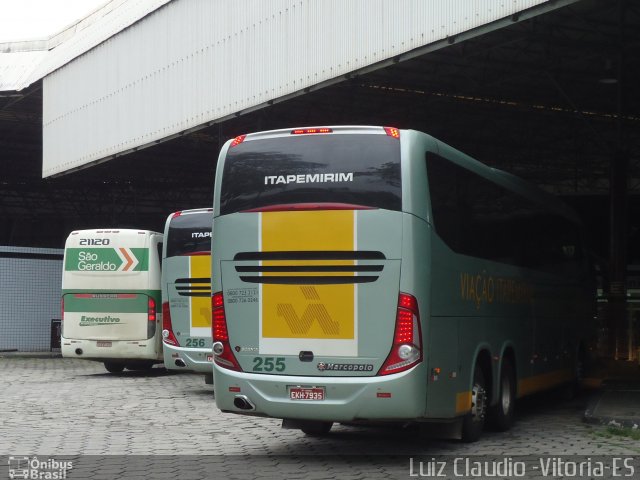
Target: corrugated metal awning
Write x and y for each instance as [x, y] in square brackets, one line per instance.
[23, 63]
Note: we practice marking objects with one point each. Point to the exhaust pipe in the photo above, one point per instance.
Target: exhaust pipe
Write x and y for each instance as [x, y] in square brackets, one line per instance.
[243, 403]
[180, 363]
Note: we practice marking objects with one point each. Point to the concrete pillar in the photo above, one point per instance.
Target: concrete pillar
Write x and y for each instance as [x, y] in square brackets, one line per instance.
[617, 314]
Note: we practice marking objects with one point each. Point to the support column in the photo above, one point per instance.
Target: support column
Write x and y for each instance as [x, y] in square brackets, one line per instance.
[617, 314]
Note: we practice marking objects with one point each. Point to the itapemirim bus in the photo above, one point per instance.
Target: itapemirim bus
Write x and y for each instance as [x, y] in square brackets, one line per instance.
[111, 298]
[186, 291]
[370, 274]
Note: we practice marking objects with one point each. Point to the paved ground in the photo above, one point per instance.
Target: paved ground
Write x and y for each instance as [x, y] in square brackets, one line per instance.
[57, 407]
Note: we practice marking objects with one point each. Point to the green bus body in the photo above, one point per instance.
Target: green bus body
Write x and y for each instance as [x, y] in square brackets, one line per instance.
[322, 241]
[186, 290]
[111, 297]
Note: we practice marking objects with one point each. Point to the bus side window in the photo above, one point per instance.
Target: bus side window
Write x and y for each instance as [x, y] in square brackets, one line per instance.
[477, 217]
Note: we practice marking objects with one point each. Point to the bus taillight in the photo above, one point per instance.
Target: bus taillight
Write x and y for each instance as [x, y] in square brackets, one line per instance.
[406, 350]
[167, 330]
[237, 141]
[223, 356]
[151, 317]
[151, 313]
[308, 131]
[392, 132]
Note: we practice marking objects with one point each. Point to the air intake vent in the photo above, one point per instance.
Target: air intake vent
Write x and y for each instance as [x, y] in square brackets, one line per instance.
[193, 287]
[311, 255]
[297, 274]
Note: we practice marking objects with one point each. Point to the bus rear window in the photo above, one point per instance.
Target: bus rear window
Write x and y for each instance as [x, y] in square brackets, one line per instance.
[352, 169]
[189, 234]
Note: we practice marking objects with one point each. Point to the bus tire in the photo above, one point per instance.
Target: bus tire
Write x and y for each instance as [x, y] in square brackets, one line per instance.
[113, 367]
[140, 366]
[316, 428]
[473, 422]
[501, 415]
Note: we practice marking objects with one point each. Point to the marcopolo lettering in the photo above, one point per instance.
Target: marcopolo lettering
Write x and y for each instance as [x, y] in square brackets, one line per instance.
[308, 178]
[345, 367]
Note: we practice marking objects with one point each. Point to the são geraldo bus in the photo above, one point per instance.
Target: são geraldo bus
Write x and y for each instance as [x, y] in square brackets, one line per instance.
[186, 291]
[365, 274]
[111, 298]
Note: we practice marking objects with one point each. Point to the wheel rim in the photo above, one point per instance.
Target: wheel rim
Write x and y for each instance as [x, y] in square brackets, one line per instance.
[478, 403]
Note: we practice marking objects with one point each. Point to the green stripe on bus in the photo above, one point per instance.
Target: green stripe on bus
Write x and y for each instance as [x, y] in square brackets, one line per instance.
[103, 301]
[106, 260]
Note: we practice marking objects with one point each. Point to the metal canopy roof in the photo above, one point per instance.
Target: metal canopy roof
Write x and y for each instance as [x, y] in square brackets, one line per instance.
[26, 62]
[535, 99]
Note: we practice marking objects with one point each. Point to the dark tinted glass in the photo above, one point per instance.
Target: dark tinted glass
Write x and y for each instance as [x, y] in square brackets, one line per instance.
[355, 169]
[477, 217]
[190, 233]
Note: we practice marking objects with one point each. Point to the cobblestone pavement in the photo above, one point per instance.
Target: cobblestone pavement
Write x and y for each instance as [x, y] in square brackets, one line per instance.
[57, 407]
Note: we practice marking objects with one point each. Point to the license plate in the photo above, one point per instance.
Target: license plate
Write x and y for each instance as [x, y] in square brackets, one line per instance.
[306, 393]
[103, 344]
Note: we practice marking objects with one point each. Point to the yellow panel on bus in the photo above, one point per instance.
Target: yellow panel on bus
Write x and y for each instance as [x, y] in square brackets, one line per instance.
[200, 266]
[308, 311]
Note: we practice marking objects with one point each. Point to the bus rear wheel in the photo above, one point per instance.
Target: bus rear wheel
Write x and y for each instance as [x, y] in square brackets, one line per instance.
[113, 367]
[501, 415]
[473, 422]
[316, 428]
[140, 366]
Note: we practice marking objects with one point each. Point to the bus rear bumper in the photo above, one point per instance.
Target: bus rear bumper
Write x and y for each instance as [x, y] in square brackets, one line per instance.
[110, 349]
[188, 359]
[388, 398]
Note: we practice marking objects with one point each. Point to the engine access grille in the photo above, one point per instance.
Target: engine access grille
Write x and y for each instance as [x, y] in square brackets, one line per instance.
[290, 267]
[193, 287]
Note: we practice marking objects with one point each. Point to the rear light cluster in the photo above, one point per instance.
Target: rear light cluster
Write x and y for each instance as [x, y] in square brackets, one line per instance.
[168, 336]
[392, 132]
[238, 140]
[223, 356]
[406, 350]
[151, 317]
[151, 314]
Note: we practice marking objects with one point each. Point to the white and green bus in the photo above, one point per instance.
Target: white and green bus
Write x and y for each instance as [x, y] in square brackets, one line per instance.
[186, 291]
[111, 298]
[370, 274]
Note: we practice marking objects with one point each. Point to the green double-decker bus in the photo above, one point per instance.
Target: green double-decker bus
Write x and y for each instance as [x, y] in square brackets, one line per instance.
[371, 274]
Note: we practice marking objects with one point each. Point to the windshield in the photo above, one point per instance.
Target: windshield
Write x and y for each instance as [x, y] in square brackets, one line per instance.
[360, 169]
[189, 233]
